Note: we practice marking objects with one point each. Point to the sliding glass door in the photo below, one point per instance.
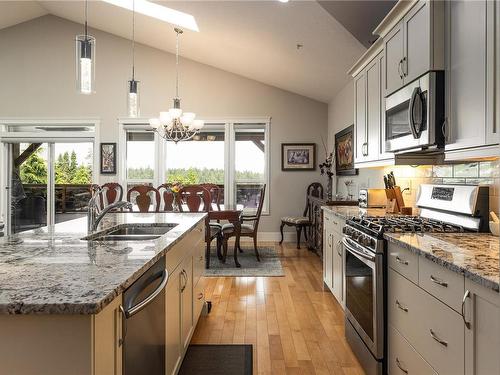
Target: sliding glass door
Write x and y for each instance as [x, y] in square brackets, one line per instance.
[48, 183]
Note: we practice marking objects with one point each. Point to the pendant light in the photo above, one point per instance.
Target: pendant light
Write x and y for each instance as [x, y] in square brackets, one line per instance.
[85, 60]
[133, 103]
[174, 125]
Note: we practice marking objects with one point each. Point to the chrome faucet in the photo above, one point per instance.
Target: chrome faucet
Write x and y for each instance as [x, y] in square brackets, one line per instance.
[95, 215]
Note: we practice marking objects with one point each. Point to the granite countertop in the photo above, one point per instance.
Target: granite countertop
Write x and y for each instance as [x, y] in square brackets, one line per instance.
[347, 212]
[476, 255]
[53, 271]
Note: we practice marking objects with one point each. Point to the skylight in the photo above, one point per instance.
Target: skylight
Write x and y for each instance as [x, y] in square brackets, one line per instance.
[160, 12]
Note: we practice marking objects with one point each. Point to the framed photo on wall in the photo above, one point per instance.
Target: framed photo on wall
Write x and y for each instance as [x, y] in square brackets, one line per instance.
[344, 152]
[298, 156]
[108, 158]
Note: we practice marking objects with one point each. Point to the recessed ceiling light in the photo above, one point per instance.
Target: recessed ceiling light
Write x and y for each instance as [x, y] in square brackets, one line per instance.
[175, 17]
[283, 1]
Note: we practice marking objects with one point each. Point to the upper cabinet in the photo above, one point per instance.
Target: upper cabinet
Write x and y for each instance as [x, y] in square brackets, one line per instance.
[472, 49]
[414, 45]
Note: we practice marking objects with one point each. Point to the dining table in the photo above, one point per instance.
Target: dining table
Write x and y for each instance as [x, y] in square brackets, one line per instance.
[232, 213]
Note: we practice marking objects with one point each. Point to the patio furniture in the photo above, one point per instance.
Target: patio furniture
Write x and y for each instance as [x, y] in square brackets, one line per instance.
[144, 197]
[248, 228]
[195, 198]
[305, 221]
[166, 198]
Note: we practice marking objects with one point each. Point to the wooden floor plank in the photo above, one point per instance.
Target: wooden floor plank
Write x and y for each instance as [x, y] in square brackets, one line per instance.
[294, 324]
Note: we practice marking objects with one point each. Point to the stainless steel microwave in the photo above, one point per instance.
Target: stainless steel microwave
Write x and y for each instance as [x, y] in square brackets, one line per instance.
[414, 115]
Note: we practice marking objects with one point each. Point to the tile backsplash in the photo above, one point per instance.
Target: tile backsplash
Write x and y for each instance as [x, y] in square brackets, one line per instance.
[409, 178]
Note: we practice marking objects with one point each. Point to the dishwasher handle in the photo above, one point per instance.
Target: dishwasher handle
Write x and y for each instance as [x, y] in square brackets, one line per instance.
[131, 311]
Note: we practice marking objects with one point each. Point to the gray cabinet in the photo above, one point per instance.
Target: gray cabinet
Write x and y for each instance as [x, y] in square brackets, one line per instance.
[414, 45]
[482, 313]
[333, 255]
[327, 250]
[368, 111]
[360, 117]
[471, 81]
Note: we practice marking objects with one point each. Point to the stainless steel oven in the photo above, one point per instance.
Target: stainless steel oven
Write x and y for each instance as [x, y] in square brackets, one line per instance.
[364, 299]
[414, 115]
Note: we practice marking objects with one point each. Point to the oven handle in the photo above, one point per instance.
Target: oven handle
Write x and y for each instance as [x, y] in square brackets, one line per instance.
[355, 251]
[416, 93]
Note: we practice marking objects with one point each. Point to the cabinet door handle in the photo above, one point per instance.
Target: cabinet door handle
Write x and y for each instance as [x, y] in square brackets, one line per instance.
[404, 66]
[401, 307]
[401, 261]
[339, 243]
[433, 335]
[400, 69]
[466, 295]
[439, 281]
[200, 258]
[183, 287]
[398, 363]
[200, 296]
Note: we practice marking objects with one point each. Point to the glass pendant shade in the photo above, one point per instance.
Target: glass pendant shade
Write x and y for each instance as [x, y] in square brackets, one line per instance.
[154, 123]
[85, 64]
[133, 103]
[175, 112]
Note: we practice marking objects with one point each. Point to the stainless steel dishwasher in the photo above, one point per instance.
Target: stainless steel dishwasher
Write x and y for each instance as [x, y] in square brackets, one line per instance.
[143, 313]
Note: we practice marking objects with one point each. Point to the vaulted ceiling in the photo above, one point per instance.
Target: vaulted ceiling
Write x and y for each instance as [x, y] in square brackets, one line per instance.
[255, 39]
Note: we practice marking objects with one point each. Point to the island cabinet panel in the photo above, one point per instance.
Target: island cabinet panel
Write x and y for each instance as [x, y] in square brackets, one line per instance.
[482, 317]
[107, 339]
[173, 326]
[46, 344]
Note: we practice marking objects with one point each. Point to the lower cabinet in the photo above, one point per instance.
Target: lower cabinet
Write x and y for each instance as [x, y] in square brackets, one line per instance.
[333, 259]
[439, 322]
[482, 341]
[184, 299]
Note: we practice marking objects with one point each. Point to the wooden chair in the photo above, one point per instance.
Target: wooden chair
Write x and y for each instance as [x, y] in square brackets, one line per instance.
[195, 198]
[112, 192]
[166, 198]
[304, 221]
[249, 227]
[145, 197]
[215, 195]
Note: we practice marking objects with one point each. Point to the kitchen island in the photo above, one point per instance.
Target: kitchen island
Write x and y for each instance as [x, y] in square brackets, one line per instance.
[60, 294]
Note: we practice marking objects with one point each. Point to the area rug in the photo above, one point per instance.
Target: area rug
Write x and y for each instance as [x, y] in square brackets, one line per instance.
[217, 360]
[269, 265]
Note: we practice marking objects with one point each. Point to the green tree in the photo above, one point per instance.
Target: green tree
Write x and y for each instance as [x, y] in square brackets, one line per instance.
[34, 169]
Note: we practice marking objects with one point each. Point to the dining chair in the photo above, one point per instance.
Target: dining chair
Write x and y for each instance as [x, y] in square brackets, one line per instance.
[144, 197]
[302, 222]
[196, 198]
[112, 192]
[249, 226]
[166, 198]
[214, 191]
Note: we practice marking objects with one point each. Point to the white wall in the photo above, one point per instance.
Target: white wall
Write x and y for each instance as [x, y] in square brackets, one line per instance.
[38, 80]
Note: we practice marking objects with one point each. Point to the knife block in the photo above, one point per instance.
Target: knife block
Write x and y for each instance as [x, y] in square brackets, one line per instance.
[395, 202]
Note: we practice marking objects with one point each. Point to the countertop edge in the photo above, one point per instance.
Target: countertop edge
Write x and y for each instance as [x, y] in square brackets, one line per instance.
[448, 265]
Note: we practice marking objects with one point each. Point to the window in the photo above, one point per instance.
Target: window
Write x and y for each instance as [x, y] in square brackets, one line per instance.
[140, 158]
[233, 155]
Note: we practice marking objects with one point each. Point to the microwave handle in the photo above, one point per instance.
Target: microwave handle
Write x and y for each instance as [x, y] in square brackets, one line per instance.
[416, 93]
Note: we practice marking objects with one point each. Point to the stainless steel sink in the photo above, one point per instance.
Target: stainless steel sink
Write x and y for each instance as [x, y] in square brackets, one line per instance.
[132, 232]
[141, 229]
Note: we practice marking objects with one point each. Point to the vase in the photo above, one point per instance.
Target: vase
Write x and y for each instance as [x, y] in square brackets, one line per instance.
[329, 189]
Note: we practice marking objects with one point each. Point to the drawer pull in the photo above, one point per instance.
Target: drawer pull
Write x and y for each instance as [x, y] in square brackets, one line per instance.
[401, 307]
[433, 335]
[466, 295]
[398, 363]
[201, 258]
[200, 296]
[439, 281]
[401, 261]
[334, 222]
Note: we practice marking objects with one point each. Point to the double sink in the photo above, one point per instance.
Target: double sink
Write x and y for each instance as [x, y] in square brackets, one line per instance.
[132, 232]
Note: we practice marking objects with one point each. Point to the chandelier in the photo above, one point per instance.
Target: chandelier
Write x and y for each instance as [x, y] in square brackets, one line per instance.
[174, 124]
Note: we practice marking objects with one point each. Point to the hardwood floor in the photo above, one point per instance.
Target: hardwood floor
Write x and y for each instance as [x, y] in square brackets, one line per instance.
[295, 326]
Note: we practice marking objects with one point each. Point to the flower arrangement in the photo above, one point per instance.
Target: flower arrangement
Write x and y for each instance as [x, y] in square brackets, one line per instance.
[175, 188]
[328, 168]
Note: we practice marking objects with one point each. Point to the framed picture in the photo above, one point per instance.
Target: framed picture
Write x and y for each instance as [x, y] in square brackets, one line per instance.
[108, 158]
[344, 152]
[298, 156]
